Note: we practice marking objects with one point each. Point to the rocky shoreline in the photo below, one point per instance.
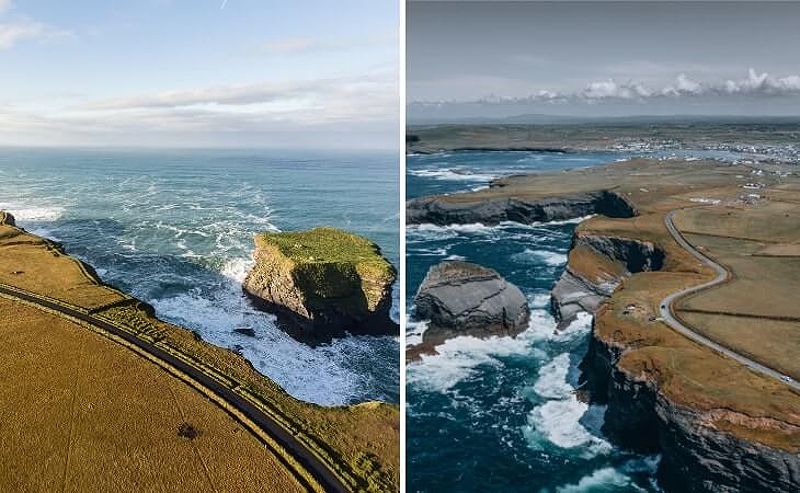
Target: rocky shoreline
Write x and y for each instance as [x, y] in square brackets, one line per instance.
[444, 210]
[697, 457]
[708, 417]
[575, 292]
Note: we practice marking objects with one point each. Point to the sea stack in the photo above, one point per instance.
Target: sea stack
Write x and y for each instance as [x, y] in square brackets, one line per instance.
[322, 283]
[462, 298]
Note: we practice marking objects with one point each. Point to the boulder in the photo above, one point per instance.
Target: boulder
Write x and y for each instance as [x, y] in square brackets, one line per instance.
[7, 219]
[322, 282]
[462, 298]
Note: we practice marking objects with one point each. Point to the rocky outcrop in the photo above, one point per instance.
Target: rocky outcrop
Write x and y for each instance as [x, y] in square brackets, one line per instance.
[697, 456]
[322, 283]
[7, 219]
[577, 292]
[461, 298]
[443, 210]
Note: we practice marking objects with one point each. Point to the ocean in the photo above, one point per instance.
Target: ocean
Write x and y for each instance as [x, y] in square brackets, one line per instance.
[175, 228]
[500, 414]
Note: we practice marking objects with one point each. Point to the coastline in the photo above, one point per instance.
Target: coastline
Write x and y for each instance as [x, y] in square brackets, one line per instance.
[638, 366]
[341, 437]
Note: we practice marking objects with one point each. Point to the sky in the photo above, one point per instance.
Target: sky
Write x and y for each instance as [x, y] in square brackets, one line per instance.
[602, 59]
[200, 73]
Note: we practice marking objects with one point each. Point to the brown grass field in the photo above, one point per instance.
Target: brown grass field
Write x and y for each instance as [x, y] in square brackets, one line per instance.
[360, 442]
[82, 413]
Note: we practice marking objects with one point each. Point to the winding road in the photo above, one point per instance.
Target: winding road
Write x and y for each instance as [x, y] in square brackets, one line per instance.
[253, 416]
[669, 318]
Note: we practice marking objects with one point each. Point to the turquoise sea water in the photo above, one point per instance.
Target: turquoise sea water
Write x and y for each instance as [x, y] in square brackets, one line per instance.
[500, 414]
[175, 229]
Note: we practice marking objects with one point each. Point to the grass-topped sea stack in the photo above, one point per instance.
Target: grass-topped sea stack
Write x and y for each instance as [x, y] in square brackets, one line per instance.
[324, 282]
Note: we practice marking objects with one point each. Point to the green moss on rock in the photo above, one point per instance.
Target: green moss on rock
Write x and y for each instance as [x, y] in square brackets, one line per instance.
[328, 279]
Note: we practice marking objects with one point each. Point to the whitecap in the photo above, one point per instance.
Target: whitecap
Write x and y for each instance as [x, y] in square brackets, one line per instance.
[601, 480]
[559, 419]
[548, 257]
[25, 213]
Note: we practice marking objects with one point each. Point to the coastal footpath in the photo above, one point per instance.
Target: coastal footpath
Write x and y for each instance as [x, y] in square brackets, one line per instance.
[105, 396]
[720, 425]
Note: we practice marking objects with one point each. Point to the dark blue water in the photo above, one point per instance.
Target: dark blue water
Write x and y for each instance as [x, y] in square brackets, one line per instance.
[175, 228]
[500, 414]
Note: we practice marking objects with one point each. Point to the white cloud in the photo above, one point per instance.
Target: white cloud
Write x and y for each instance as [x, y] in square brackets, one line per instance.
[609, 89]
[23, 29]
[753, 85]
[364, 97]
[354, 111]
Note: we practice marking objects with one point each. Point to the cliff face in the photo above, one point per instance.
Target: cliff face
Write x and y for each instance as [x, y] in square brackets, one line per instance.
[464, 298]
[697, 455]
[578, 291]
[322, 283]
[444, 211]
[7, 219]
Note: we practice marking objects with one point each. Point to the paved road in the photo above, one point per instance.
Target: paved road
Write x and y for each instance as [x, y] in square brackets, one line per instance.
[721, 277]
[321, 473]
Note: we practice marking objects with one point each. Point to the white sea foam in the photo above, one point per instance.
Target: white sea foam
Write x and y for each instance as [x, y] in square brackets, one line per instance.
[415, 331]
[459, 228]
[451, 174]
[601, 480]
[559, 419]
[429, 231]
[311, 374]
[458, 358]
[540, 300]
[550, 258]
[28, 213]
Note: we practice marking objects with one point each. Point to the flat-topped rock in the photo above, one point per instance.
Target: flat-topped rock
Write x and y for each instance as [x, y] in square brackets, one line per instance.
[322, 282]
[462, 298]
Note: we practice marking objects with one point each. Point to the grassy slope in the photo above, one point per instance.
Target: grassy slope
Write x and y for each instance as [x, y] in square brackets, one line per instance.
[80, 424]
[361, 441]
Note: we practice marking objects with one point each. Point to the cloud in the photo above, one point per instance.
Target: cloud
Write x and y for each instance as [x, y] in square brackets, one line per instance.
[357, 111]
[611, 89]
[359, 97]
[753, 85]
[23, 29]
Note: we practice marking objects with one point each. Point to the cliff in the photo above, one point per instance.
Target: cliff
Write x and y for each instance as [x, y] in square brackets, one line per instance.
[323, 282]
[705, 446]
[462, 209]
[698, 454]
[596, 267]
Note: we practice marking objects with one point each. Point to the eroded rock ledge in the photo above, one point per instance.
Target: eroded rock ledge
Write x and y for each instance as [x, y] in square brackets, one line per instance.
[583, 290]
[322, 283]
[698, 455]
[444, 210]
[462, 298]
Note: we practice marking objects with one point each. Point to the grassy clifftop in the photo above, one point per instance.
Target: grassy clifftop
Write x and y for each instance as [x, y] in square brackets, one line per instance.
[328, 262]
